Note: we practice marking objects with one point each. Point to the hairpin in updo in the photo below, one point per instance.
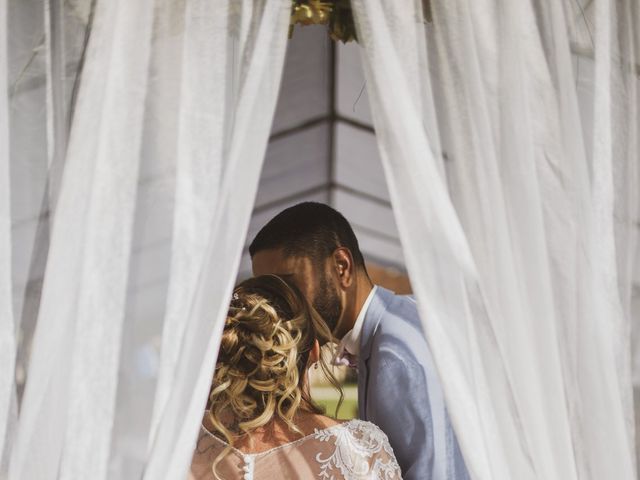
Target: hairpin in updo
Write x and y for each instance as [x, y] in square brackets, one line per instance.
[235, 302]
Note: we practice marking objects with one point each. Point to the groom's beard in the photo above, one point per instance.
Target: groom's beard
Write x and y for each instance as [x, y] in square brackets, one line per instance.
[327, 303]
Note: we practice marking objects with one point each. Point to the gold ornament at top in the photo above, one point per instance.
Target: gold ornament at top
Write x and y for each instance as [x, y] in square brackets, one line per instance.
[336, 14]
[313, 13]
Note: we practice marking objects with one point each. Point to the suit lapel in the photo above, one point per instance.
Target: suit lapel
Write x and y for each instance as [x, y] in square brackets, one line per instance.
[376, 310]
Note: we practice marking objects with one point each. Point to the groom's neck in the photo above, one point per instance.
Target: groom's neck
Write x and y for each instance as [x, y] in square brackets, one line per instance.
[361, 290]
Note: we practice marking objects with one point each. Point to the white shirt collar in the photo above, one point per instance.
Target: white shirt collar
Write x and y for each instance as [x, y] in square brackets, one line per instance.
[351, 341]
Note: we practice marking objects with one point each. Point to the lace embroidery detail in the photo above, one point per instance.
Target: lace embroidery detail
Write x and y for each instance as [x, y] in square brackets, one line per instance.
[357, 455]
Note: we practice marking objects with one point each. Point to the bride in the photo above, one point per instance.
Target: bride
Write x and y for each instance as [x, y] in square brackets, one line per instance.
[261, 422]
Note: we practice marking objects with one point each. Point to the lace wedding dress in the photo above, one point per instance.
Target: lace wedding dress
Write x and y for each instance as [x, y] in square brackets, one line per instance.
[355, 450]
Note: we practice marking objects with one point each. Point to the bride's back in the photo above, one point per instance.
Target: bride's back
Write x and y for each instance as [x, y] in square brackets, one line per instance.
[260, 420]
[342, 451]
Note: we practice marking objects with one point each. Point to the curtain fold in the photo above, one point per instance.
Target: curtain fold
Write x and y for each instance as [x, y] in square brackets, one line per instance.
[7, 322]
[149, 196]
[199, 160]
[256, 81]
[516, 264]
[57, 106]
[67, 411]
[447, 270]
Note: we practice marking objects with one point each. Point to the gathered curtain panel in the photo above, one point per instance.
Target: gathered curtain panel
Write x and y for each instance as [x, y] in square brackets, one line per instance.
[520, 253]
[132, 136]
[139, 132]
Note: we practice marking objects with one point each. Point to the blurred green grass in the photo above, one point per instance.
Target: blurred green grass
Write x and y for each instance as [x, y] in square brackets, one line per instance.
[328, 397]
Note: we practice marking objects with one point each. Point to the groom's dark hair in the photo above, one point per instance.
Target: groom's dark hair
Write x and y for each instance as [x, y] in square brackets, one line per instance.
[308, 229]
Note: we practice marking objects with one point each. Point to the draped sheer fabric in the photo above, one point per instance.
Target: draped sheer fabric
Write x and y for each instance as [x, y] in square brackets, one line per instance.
[520, 254]
[261, 27]
[132, 135]
[138, 133]
[7, 328]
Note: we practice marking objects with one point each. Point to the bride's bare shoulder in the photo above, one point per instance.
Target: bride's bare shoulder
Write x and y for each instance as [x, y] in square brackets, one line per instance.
[309, 422]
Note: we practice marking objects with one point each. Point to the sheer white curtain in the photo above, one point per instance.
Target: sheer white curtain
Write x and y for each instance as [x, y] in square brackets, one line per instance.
[520, 254]
[131, 139]
[137, 133]
[261, 29]
[7, 326]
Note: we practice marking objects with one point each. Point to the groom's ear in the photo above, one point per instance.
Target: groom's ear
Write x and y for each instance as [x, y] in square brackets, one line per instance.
[344, 266]
[314, 355]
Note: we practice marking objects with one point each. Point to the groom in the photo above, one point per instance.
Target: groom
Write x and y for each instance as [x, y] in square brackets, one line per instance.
[380, 333]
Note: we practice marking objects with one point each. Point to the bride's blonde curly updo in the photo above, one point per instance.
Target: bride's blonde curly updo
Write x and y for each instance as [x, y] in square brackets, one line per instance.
[268, 335]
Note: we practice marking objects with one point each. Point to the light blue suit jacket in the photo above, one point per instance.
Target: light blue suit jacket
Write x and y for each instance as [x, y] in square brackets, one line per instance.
[399, 390]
